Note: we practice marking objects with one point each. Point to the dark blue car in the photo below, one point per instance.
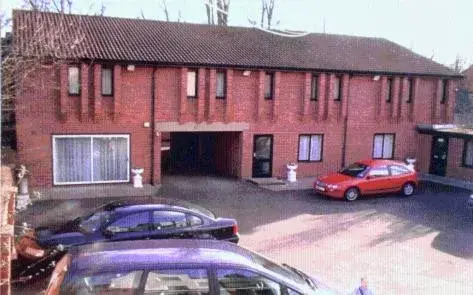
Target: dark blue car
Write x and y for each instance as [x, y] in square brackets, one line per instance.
[176, 267]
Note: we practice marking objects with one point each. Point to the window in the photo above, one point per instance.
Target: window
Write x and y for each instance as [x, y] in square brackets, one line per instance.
[163, 220]
[310, 148]
[107, 81]
[137, 222]
[123, 282]
[337, 88]
[398, 170]
[444, 96]
[381, 171]
[233, 281]
[268, 85]
[177, 282]
[221, 84]
[409, 90]
[389, 89]
[468, 154]
[90, 159]
[74, 80]
[383, 146]
[194, 220]
[192, 84]
[314, 87]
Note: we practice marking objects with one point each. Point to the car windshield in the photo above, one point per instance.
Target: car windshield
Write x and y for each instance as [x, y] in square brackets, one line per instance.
[93, 222]
[354, 170]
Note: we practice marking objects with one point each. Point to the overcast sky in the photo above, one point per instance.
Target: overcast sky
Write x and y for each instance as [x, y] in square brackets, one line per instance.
[438, 28]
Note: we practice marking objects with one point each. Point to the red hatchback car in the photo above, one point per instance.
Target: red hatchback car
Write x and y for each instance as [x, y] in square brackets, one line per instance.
[369, 177]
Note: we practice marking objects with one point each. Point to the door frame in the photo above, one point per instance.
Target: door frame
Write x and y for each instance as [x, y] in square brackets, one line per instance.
[434, 140]
[270, 155]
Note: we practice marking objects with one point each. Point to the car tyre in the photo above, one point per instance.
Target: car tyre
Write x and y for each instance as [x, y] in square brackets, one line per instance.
[408, 189]
[352, 194]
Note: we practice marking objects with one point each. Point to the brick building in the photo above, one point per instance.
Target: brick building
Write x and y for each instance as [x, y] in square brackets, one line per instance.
[177, 97]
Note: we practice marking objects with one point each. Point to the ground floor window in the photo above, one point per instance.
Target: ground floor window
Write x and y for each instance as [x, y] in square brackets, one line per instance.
[310, 147]
[90, 158]
[383, 146]
[468, 153]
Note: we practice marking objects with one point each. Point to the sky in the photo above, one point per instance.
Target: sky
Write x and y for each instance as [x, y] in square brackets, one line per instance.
[441, 29]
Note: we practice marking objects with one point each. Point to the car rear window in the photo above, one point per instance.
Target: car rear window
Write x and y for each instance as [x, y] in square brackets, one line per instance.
[104, 283]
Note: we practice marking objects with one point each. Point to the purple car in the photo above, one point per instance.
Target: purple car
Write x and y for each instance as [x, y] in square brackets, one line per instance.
[176, 267]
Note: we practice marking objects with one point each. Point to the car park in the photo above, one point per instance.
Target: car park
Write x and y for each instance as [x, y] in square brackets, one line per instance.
[116, 221]
[178, 267]
[368, 177]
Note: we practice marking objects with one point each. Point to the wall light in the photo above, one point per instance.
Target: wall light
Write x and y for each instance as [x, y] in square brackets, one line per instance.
[130, 68]
[246, 73]
[376, 78]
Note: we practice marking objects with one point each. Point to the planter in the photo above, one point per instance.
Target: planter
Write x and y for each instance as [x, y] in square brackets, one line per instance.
[411, 162]
[137, 178]
[291, 172]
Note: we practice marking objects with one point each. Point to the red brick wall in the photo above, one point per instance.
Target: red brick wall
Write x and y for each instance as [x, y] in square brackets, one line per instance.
[46, 110]
[454, 165]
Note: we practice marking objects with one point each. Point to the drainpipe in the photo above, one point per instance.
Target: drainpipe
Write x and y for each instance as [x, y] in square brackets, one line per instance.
[153, 124]
[345, 125]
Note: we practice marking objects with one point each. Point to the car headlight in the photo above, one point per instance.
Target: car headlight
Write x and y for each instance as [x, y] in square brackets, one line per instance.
[333, 186]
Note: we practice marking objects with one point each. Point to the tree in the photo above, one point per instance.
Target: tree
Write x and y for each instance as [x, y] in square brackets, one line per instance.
[459, 64]
[267, 9]
[217, 11]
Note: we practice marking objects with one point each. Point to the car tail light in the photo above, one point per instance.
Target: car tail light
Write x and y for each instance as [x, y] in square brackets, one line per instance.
[235, 229]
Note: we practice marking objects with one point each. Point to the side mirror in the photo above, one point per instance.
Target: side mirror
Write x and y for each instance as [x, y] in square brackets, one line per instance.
[108, 232]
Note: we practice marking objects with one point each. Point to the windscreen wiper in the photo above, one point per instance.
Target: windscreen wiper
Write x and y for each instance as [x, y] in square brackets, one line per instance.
[305, 277]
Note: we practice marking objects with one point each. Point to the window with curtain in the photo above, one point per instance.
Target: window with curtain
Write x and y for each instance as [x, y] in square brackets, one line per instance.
[314, 87]
[221, 85]
[444, 90]
[337, 88]
[268, 86]
[383, 146]
[192, 84]
[409, 90]
[310, 148]
[90, 159]
[389, 86]
[468, 153]
[107, 81]
[74, 80]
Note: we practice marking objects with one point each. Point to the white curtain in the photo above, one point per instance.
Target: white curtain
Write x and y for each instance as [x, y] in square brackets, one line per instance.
[107, 81]
[304, 148]
[315, 148]
[73, 160]
[388, 146]
[191, 83]
[110, 158]
[378, 146]
[74, 80]
[336, 88]
[268, 91]
[220, 84]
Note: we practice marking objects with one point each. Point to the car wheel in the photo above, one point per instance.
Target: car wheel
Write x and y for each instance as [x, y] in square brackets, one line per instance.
[408, 189]
[352, 194]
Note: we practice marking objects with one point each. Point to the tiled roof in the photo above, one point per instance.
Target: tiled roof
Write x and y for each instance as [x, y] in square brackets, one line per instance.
[120, 39]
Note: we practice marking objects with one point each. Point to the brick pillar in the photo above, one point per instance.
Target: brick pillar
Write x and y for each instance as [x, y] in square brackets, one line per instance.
[345, 86]
[322, 95]
[212, 94]
[200, 95]
[415, 97]
[156, 178]
[395, 98]
[436, 102]
[84, 92]
[97, 92]
[305, 101]
[276, 98]
[381, 114]
[229, 96]
[63, 91]
[246, 140]
[450, 103]
[329, 116]
[404, 107]
[260, 95]
[117, 91]
[183, 95]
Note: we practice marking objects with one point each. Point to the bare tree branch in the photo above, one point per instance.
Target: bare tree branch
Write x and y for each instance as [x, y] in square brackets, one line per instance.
[164, 6]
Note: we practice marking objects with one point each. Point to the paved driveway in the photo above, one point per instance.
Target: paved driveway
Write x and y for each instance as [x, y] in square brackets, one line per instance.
[419, 245]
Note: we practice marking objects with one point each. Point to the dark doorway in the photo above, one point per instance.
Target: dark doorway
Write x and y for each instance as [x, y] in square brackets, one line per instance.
[262, 156]
[192, 152]
[438, 157]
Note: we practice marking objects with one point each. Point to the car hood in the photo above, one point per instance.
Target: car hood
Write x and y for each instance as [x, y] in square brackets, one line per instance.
[335, 178]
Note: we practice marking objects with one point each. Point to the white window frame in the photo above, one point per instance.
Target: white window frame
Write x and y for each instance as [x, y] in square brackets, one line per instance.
[321, 136]
[382, 145]
[91, 136]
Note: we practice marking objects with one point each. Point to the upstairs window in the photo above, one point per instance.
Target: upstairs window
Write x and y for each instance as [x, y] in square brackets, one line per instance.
[337, 88]
[383, 146]
[389, 90]
[444, 90]
[191, 84]
[409, 90]
[221, 85]
[268, 85]
[314, 87]
[107, 81]
[74, 80]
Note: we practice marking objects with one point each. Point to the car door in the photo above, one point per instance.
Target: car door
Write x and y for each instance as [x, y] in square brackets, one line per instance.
[169, 224]
[134, 226]
[241, 281]
[376, 181]
[187, 280]
[399, 176]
